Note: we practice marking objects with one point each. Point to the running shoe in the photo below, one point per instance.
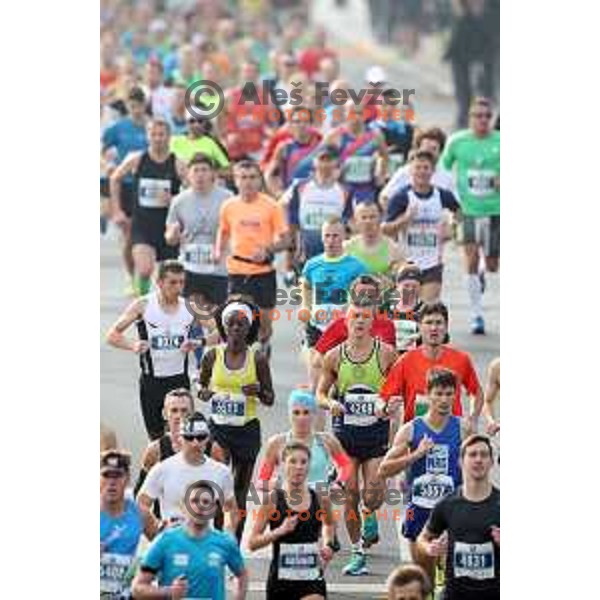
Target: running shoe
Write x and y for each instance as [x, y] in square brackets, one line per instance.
[478, 326]
[370, 530]
[357, 565]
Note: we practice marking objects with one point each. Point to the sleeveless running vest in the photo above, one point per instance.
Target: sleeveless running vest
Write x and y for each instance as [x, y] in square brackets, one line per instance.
[358, 385]
[153, 178]
[423, 236]
[437, 474]
[229, 406]
[376, 259]
[164, 332]
[298, 160]
[165, 447]
[296, 554]
[320, 461]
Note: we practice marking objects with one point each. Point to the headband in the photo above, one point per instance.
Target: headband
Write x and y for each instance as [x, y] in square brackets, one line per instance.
[236, 307]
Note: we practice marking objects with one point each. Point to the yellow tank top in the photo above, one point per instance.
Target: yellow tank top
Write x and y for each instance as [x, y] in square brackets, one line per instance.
[230, 407]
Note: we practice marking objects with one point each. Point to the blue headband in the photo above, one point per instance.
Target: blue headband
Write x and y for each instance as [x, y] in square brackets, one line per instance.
[302, 398]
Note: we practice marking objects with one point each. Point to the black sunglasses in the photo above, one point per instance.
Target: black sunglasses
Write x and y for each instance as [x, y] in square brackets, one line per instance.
[199, 438]
[113, 474]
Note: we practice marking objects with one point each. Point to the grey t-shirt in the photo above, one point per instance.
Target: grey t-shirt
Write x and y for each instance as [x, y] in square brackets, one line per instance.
[198, 217]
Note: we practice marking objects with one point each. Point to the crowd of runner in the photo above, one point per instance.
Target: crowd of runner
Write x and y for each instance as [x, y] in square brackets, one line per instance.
[346, 217]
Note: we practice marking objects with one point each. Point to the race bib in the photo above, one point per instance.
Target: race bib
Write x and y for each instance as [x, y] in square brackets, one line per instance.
[421, 405]
[199, 257]
[114, 571]
[429, 489]
[475, 561]
[480, 182]
[360, 409]
[299, 562]
[406, 329]
[395, 161]
[228, 409]
[323, 314]
[358, 169]
[164, 342]
[151, 192]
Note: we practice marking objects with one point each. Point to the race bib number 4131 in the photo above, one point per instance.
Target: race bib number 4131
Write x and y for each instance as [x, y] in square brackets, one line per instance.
[475, 561]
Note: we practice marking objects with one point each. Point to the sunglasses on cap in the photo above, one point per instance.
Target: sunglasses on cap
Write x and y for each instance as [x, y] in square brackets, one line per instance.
[198, 437]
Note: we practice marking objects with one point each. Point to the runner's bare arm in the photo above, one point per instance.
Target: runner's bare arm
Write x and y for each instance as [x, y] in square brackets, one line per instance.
[398, 457]
[388, 357]
[270, 460]
[272, 180]
[151, 523]
[129, 165]
[258, 538]
[115, 335]
[492, 389]
[231, 515]
[306, 292]
[206, 368]
[381, 164]
[266, 393]
[150, 457]
[328, 377]
[181, 169]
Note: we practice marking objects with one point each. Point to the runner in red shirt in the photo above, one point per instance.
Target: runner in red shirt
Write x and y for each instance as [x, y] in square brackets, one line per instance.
[247, 122]
[408, 376]
[310, 58]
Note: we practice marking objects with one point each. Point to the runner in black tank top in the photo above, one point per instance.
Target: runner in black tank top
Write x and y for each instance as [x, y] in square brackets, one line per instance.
[157, 178]
[153, 182]
[297, 523]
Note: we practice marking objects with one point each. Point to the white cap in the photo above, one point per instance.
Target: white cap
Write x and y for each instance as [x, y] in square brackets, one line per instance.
[375, 74]
[157, 25]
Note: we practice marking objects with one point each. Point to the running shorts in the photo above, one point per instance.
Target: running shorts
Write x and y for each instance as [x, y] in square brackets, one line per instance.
[415, 518]
[484, 231]
[242, 442]
[212, 287]
[262, 288]
[369, 443]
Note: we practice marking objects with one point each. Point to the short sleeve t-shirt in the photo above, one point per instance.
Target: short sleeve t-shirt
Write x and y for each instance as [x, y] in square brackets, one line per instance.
[198, 216]
[477, 162]
[169, 480]
[125, 137]
[202, 560]
[473, 563]
[330, 279]
[185, 149]
[251, 226]
[408, 378]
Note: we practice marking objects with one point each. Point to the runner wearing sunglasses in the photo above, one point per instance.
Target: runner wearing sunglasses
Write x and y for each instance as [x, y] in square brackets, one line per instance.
[234, 378]
[474, 154]
[189, 561]
[168, 480]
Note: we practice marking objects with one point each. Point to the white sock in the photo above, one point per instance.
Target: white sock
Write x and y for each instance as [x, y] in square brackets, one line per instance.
[474, 289]
[358, 547]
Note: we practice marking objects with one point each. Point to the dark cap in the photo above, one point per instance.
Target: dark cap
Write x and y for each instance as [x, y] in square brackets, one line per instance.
[330, 151]
[195, 424]
[136, 94]
[409, 272]
[114, 460]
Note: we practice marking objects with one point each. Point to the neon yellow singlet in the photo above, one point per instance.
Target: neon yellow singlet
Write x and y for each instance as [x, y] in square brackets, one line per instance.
[365, 374]
[224, 380]
[376, 259]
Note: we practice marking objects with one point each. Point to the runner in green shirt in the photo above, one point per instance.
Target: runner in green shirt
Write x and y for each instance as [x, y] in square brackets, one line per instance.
[474, 154]
[197, 141]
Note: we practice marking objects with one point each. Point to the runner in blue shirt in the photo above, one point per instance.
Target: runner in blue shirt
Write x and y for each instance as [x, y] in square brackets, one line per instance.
[121, 526]
[189, 560]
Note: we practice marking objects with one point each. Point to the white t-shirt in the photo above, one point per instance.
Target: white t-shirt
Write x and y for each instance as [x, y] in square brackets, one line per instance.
[401, 179]
[168, 481]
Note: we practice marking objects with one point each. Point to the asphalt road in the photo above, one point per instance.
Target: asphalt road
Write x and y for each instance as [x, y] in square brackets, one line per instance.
[119, 398]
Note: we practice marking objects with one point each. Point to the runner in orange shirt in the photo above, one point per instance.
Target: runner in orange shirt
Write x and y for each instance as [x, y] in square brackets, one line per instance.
[408, 377]
[254, 226]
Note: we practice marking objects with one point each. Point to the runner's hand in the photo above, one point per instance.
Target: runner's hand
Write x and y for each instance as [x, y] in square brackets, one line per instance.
[120, 218]
[259, 256]
[336, 408]
[394, 404]
[288, 525]
[178, 589]
[425, 445]
[205, 395]
[188, 346]
[252, 389]
[326, 555]
[164, 197]
[496, 534]
[140, 346]
[438, 547]
[493, 428]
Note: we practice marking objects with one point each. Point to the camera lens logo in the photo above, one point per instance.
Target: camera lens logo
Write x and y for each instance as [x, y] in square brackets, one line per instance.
[200, 308]
[204, 99]
[202, 500]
